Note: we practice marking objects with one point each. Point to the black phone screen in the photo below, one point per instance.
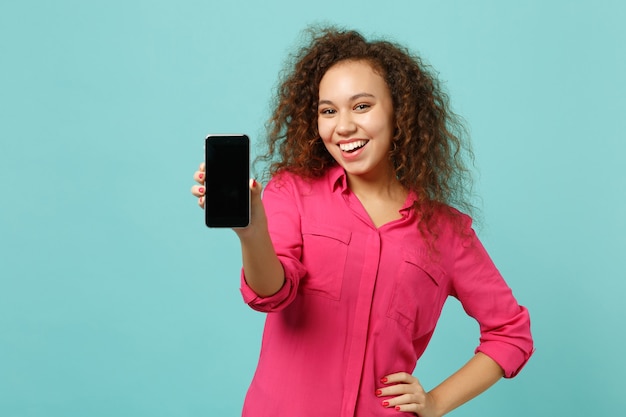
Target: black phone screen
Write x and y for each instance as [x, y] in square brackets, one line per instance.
[227, 195]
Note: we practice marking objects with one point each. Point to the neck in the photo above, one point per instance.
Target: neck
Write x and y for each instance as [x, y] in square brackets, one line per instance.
[385, 187]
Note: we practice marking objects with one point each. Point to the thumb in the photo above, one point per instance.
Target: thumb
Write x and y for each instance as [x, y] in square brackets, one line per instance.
[255, 189]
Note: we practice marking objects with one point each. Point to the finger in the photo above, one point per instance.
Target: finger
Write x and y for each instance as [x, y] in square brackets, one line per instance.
[399, 377]
[406, 399]
[199, 177]
[201, 202]
[406, 402]
[255, 189]
[397, 389]
[202, 167]
[255, 185]
[398, 403]
[399, 384]
[198, 191]
[408, 408]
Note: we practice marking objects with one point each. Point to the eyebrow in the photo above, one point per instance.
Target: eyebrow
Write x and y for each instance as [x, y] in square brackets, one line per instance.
[353, 98]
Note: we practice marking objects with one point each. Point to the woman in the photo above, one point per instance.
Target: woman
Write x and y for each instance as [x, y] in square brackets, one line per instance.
[355, 246]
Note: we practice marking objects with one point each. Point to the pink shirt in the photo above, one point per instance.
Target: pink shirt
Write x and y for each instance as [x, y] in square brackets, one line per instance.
[361, 302]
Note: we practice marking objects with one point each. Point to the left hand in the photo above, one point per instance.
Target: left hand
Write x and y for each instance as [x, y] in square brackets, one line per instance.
[408, 395]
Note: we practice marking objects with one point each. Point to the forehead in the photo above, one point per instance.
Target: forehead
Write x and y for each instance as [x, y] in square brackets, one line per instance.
[352, 74]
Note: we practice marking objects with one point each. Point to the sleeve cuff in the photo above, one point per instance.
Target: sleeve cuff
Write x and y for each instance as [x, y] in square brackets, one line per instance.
[275, 302]
[510, 358]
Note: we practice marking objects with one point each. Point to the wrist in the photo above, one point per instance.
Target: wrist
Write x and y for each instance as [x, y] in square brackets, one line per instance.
[436, 404]
[252, 233]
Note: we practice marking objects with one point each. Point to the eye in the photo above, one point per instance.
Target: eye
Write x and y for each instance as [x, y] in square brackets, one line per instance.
[362, 107]
[327, 111]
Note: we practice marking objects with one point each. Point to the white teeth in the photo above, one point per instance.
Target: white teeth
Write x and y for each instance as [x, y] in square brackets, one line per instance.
[347, 147]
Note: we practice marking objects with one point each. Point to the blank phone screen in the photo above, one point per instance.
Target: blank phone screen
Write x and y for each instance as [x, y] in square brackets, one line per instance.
[227, 201]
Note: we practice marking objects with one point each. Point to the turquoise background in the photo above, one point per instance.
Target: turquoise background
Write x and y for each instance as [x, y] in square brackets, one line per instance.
[115, 300]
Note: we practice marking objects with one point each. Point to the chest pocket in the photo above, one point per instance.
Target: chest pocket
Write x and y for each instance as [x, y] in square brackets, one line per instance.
[324, 256]
[416, 299]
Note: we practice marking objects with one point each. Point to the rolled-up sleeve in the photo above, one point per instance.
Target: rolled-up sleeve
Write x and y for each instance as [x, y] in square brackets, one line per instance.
[275, 302]
[505, 334]
[283, 214]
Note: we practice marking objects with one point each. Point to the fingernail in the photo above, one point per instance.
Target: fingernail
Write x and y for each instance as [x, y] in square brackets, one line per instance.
[253, 183]
[384, 380]
[201, 190]
[385, 403]
[200, 176]
[378, 392]
[397, 408]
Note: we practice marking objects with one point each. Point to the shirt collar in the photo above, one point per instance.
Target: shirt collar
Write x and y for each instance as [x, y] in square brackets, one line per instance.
[338, 180]
[410, 201]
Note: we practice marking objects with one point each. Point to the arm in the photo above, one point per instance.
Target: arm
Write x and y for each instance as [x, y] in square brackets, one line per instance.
[480, 373]
[506, 343]
[263, 270]
[276, 233]
[472, 379]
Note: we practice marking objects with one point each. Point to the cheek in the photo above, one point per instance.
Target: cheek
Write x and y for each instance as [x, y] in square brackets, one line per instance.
[324, 128]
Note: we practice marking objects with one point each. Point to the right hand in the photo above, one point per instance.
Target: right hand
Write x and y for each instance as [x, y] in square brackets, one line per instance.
[257, 211]
[199, 190]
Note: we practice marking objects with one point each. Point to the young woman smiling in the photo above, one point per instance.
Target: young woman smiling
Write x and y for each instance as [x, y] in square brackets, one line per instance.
[360, 238]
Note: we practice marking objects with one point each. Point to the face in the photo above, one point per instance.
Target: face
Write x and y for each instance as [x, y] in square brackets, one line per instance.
[355, 119]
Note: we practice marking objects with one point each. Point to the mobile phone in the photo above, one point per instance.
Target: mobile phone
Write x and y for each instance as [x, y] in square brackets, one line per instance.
[227, 190]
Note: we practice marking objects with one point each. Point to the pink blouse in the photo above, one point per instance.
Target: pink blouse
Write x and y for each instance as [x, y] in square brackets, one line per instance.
[361, 302]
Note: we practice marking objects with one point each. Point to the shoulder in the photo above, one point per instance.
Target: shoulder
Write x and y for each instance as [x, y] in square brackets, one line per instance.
[289, 180]
[451, 233]
[450, 221]
[283, 177]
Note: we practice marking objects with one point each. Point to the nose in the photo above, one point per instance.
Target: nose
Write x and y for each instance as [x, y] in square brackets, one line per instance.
[345, 124]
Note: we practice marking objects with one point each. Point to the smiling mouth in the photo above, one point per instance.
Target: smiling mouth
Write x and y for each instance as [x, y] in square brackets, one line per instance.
[352, 146]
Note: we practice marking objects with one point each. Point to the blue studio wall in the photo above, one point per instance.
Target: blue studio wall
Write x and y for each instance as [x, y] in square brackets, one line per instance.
[115, 300]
